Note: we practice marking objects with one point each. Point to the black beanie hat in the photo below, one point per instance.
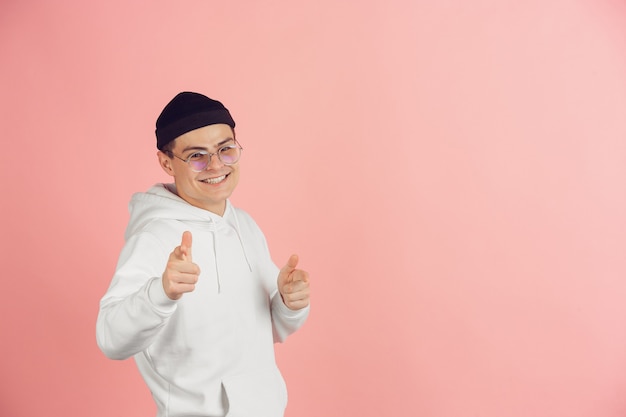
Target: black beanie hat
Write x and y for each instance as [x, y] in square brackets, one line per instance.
[186, 112]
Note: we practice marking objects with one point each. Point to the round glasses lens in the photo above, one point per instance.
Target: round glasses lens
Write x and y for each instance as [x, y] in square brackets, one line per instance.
[229, 154]
[199, 161]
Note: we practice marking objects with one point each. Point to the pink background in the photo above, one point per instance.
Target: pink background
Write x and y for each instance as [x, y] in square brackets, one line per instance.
[450, 172]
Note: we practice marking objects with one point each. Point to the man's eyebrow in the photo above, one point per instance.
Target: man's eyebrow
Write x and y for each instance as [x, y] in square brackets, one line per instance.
[202, 148]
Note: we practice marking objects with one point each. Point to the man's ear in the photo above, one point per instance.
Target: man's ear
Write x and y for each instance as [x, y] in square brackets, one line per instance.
[166, 163]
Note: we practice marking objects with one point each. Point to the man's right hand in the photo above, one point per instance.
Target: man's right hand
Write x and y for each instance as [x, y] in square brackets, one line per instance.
[181, 274]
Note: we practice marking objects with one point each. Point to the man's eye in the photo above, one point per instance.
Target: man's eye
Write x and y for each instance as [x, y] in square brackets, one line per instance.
[196, 156]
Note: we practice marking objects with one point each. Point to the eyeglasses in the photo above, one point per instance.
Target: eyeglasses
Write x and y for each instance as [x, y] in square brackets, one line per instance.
[200, 160]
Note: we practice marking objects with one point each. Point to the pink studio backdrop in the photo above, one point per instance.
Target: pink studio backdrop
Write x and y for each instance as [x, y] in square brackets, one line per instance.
[451, 173]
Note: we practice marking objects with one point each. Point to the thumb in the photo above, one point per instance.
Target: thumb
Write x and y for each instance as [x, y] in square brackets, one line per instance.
[292, 262]
[289, 267]
[185, 247]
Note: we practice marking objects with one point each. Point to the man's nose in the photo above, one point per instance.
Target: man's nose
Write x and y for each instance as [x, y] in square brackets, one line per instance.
[214, 161]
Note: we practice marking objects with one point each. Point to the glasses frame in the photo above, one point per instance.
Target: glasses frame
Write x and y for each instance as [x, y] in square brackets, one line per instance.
[210, 154]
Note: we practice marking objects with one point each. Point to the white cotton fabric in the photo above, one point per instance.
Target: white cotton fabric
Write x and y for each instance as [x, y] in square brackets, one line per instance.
[211, 352]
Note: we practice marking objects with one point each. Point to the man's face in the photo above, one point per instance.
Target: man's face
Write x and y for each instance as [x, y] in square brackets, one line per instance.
[210, 188]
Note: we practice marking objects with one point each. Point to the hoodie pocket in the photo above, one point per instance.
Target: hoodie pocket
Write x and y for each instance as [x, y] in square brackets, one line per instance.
[259, 394]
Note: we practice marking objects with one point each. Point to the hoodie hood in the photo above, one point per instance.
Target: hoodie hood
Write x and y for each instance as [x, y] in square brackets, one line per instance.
[162, 202]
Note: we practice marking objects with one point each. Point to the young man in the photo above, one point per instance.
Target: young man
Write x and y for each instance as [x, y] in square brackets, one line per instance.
[196, 298]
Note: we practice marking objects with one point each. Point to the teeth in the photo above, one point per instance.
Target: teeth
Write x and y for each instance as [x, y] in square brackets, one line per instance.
[214, 180]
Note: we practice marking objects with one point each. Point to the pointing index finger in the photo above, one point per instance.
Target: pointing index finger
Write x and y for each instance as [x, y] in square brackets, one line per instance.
[185, 245]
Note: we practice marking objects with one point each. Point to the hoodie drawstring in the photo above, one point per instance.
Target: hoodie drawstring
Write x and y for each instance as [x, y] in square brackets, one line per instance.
[217, 269]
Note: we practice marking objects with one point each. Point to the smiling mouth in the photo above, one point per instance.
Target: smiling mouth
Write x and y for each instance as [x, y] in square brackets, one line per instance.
[215, 180]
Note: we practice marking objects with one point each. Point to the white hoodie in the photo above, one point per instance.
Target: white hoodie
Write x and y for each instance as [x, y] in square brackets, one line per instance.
[211, 352]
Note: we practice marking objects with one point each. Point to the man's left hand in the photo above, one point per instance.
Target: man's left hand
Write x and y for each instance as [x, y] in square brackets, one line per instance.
[293, 285]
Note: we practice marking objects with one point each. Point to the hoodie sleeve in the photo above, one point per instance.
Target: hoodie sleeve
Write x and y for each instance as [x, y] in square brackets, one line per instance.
[284, 320]
[135, 307]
